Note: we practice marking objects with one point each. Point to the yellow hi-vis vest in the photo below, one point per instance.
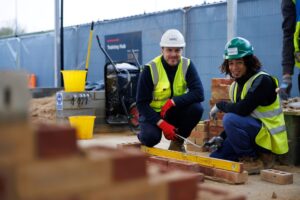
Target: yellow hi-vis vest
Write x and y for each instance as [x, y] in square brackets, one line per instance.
[272, 135]
[297, 31]
[162, 86]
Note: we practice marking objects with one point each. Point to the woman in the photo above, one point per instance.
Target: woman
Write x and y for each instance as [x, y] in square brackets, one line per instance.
[254, 123]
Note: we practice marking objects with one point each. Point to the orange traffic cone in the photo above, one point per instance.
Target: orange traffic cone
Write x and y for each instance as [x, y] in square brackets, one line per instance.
[31, 81]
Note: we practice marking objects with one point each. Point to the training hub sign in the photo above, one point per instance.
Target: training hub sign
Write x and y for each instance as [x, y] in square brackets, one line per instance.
[120, 47]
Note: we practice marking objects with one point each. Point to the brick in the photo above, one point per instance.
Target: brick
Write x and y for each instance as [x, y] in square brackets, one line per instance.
[163, 162]
[136, 145]
[276, 176]
[190, 147]
[221, 81]
[202, 127]
[16, 143]
[178, 185]
[62, 176]
[215, 130]
[183, 165]
[127, 164]
[231, 177]
[207, 171]
[55, 141]
[220, 92]
[131, 190]
[199, 134]
[7, 182]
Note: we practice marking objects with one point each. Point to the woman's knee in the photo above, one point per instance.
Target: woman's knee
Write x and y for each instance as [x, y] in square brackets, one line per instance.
[229, 120]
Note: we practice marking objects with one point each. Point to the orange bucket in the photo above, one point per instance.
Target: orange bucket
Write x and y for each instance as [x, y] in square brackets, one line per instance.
[31, 81]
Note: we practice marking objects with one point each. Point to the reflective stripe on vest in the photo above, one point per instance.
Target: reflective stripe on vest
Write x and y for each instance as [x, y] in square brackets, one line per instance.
[162, 87]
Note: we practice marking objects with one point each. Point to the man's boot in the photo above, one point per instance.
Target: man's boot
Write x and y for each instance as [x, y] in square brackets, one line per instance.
[177, 145]
[252, 165]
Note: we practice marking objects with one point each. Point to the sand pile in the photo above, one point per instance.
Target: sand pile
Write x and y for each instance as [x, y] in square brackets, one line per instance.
[43, 110]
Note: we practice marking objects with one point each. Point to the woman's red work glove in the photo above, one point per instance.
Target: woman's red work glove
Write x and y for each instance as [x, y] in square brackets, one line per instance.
[168, 129]
[169, 104]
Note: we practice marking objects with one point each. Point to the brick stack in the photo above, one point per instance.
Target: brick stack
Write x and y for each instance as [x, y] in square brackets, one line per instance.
[219, 92]
[208, 128]
[198, 136]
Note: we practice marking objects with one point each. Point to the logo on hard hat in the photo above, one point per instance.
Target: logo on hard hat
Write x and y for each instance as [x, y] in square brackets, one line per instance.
[173, 39]
[232, 51]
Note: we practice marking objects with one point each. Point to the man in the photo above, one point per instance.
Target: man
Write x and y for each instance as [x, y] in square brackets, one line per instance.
[253, 122]
[291, 48]
[169, 95]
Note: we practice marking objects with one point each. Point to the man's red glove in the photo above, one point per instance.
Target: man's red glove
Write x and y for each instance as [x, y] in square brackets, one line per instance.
[169, 104]
[168, 130]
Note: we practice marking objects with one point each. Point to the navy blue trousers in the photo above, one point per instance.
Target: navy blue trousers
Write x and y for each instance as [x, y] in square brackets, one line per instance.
[184, 119]
[240, 138]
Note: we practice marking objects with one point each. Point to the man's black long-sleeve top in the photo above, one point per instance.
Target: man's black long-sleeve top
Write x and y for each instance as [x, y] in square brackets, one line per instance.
[145, 91]
[288, 10]
[261, 93]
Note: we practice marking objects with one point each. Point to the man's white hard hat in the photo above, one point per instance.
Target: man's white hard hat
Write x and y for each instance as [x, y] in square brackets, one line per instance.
[172, 38]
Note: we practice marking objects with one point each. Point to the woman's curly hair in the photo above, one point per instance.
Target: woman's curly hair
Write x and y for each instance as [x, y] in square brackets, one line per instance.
[252, 64]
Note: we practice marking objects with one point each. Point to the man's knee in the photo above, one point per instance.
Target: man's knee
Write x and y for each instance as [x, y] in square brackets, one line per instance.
[148, 138]
[196, 110]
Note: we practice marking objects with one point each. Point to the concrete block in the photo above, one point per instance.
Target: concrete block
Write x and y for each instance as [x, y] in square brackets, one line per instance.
[14, 96]
[53, 141]
[276, 176]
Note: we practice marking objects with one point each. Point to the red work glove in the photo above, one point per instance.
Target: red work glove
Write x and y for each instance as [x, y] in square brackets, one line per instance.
[168, 130]
[169, 104]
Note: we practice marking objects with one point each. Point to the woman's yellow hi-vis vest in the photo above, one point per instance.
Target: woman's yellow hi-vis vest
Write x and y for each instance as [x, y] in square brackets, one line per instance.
[162, 86]
[272, 135]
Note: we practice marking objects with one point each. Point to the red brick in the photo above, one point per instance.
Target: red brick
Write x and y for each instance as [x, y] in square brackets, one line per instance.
[158, 160]
[231, 177]
[136, 145]
[221, 81]
[55, 141]
[220, 92]
[127, 164]
[183, 188]
[183, 165]
[215, 130]
[207, 171]
[276, 176]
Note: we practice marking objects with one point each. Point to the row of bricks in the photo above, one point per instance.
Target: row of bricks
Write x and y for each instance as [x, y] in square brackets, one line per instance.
[24, 143]
[209, 172]
[73, 171]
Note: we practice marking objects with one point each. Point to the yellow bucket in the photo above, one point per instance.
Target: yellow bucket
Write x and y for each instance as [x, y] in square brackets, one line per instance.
[74, 80]
[84, 126]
